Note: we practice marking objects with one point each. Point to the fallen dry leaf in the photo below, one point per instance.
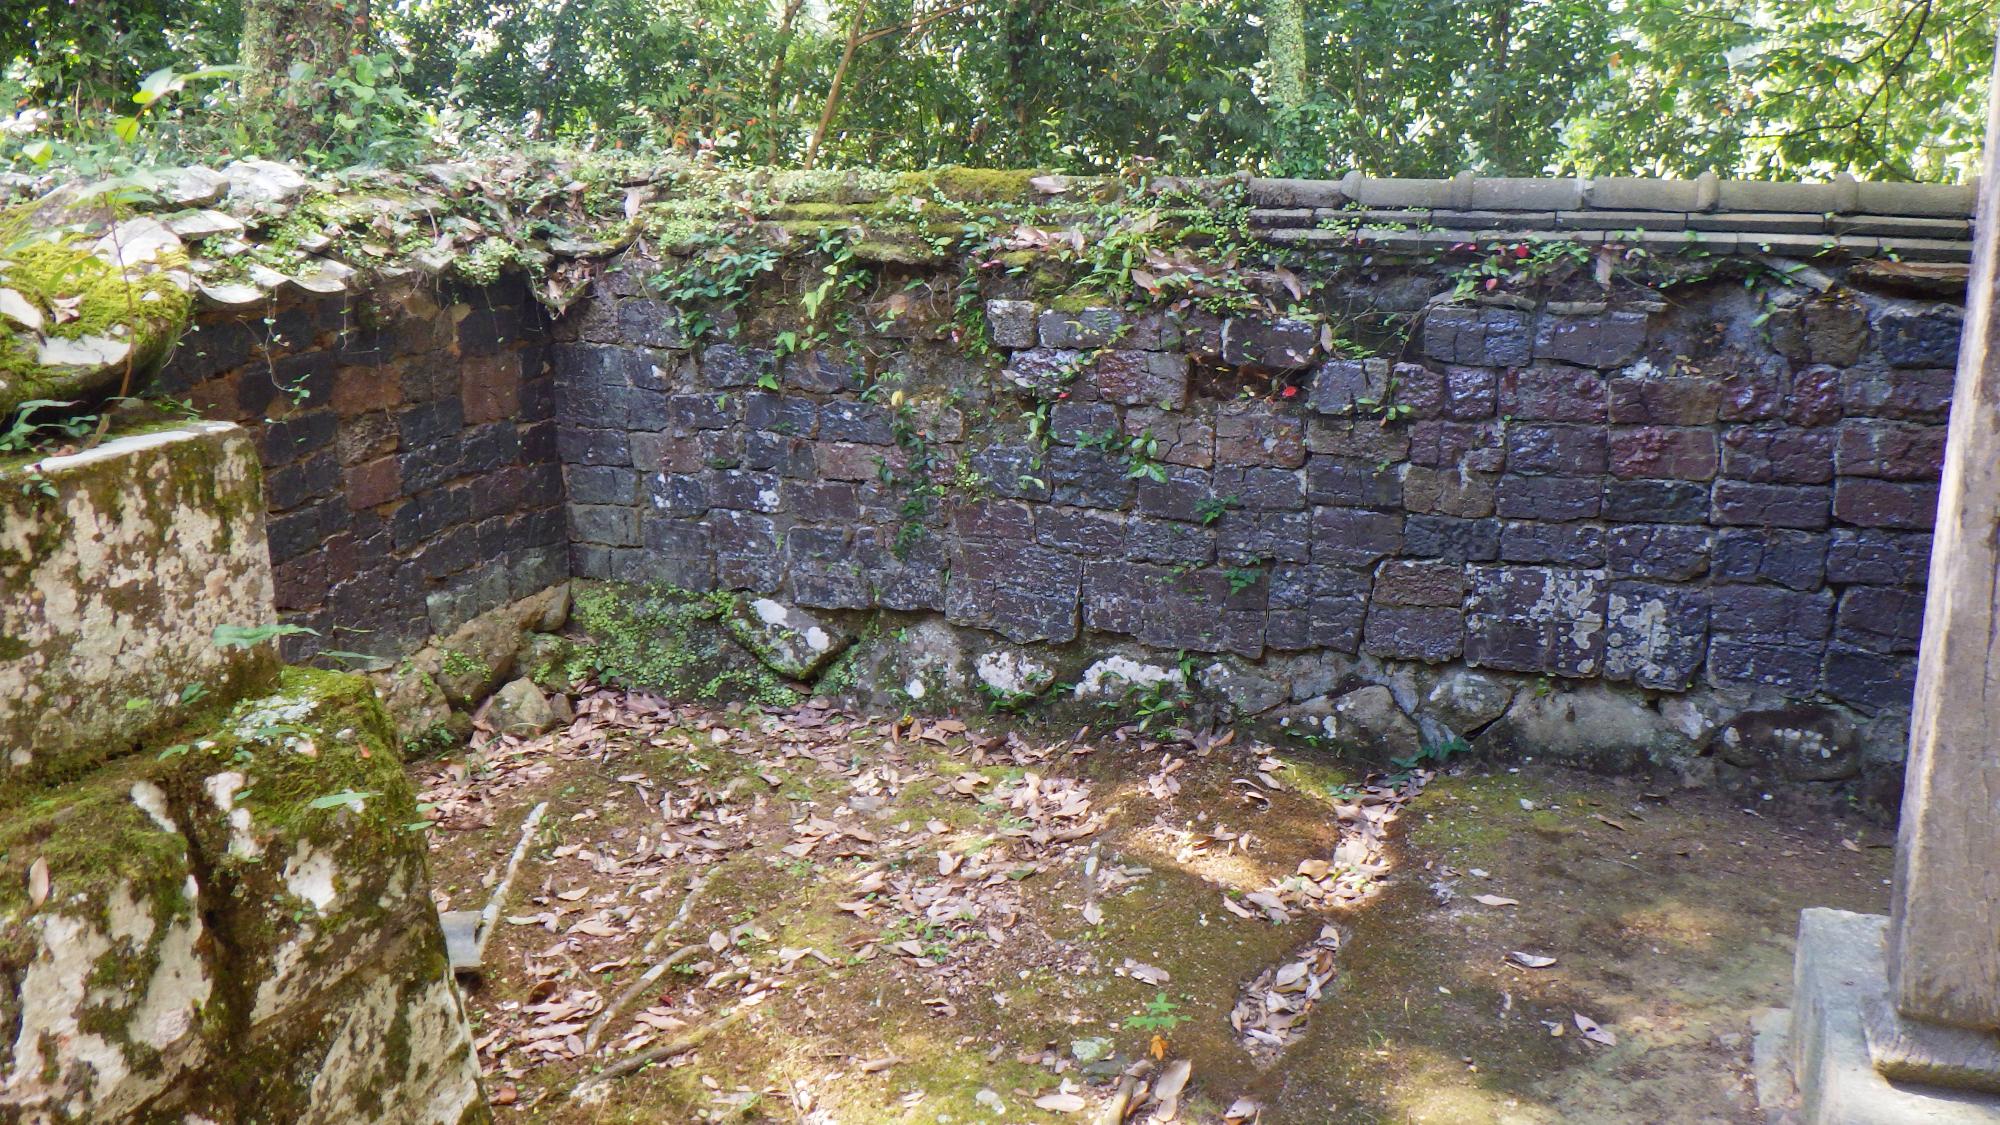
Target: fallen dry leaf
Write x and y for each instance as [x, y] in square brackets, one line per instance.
[1495, 900]
[1530, 960]
[1592, 1031]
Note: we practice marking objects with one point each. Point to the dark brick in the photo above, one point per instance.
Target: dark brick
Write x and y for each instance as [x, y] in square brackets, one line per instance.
[1793, 559]
[1164, 541]
[1448, 492]
[1926, 340]
[687, 413]
[1451, 538]
[728, 365]
[1891, 450]
[744, 491]
[1733, 662]
[1012, 471]
[1921, 395]
[1254, 433]
[1741, 503]
[1470, 393]
[1368, 439]
[1075, 421]
[819, 371]
[1815, 397]
[860, 422]
[1423, 633]
[1354, 483]
[1674, 552]
[1655, 636]
[1184, 494]
[1552, 394]
[1420, 583]
[373, 483]
[1254, 536]
[1880, 619]
[1347, 386]
[1478, 446]
[1564, 544]
[1536, 449]
[820, 500]
[1275, 345]
[780, 414]
[839, 460]
[1089, 478]
[1663, 400]
[1536, 619]
[593, 447]
[1883, 558]
[1870, 681]
[1656, 501]
[1483, 337]
[779, 453]
[1880, 503]
[1263, 489]
[680, 495]
[1548, 498]
[1663, 453]
[1754, 388]
[1604, 340]
[602, 484]
[1766, 615]
[1777, 456]
[1183, 440]
[488, 448]
[735, 533]
[1354, 537]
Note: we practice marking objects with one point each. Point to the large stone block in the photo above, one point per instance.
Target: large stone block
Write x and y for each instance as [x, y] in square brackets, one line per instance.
[117, 567]
[241, 920]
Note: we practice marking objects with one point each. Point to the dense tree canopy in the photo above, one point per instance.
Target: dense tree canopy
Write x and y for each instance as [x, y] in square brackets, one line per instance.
[1763, 88]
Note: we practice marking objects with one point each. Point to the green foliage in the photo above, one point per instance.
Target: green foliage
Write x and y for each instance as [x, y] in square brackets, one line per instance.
[1296, 87]
[665, 640]
[1159, 1014]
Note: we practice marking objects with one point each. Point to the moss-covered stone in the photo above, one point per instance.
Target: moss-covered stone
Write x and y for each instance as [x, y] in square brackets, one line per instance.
[237, 925]
[117, 565]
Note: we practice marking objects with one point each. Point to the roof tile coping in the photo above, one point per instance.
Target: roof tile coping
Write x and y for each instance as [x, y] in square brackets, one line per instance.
[1705, 193]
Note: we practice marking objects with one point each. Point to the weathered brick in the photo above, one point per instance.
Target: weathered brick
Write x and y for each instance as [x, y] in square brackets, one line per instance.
[1536, 619]
[1413, 582]
[1551, 393]
[1355, 537]
[1011, 324]
[1891, 450]
[1364, 438]
[1770, 455]
[860, 422]
[610, 525]
[1137, 378]
[1656, 501]
[654, 324]
[1663, 452]
[1090, 478]
[1278, 490]
[1013, 471]
[1484, 337]
[819, 371]
[1879, 557]
[1555, 499]
[1079, 530]
[1165, 541]
[1655, 636]
[1880, 619]
[1814, 399]
[1074, 421]
[1354, 483]
[1794, 559]
[1539, 448]
[1275, 345]
[1242, 536]
[1919, 395]
[1182, 494]
[1674, 552]
[780, 414]
[1477, 446]
[1424, 633]
[1611, 339]
[1754, 388]
[1255, 433]
[732, 365]
[602, 484]
[1733, 662]
[1663, 400]
[1564, 544]
[1741, 503]
[1926, 340]
[1448, 492]
[1880, 503]
[1183, 439]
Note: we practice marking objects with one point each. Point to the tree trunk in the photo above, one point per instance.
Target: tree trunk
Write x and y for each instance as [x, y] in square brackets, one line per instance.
[775, 91]
[833, 91]
[1285, 48]
[278, 36]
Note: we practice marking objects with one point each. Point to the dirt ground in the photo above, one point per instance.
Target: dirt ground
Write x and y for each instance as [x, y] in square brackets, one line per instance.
[868, 921]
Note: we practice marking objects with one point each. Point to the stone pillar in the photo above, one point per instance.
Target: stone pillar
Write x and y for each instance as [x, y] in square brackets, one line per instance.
[1898, 1019]
[1944, 933]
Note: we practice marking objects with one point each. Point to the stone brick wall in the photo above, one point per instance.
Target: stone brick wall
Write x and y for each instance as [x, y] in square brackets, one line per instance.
[408, 442]
[1711, 493]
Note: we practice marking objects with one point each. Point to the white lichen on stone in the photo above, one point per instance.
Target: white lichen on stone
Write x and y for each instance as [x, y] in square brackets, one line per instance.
[1115, 675]
[309, 875]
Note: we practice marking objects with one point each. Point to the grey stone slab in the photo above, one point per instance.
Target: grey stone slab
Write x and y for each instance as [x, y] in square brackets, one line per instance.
[1268, 217]
[1296, 193]
[1903, 226]
[1954, 200]
[1622, 219]
[1761, 222]
[1372, 192]
[1638, 193]
[1840, 970]
[1495, 220]
[1526, 193]
[1928, 249]
[1762, 195]
[461, 939]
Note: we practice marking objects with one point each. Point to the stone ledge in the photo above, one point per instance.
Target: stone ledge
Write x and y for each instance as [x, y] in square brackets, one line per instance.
[1840, 971]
